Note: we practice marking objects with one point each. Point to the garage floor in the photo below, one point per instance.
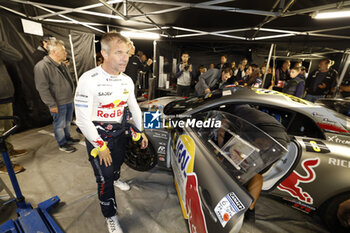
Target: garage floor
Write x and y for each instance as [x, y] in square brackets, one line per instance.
[150, 206]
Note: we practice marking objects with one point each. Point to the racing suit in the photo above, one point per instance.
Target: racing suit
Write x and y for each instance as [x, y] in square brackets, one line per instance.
[100, 102]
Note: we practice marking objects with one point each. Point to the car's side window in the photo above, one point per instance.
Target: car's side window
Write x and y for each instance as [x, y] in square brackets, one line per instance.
[240, 147]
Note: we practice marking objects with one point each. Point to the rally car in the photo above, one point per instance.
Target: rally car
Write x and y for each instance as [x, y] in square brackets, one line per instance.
[312, 175]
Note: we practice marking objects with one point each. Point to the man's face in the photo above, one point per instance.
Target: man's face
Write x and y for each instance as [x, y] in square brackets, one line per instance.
[184, 58]
[225, 76]
[323, 66]
[211, 66]
[202, 70]
[286, 65]
[143, 58]
[223, 60]
[244, 62]
[117, 57]
[60, 53]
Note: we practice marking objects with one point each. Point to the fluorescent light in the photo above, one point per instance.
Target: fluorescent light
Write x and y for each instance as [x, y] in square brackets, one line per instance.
[331, 14]
[140, 35]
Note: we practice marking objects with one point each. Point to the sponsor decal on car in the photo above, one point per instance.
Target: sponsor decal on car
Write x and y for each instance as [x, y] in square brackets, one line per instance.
[339, 162]
[288, 97]
[182, 163]
[315, 146]
[292, 182]
[161, 150]
[196, 219]
[337, 139]
[227, 207]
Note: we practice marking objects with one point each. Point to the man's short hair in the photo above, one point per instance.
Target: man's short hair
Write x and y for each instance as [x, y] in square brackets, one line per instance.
[52, 44]
[185, 52]
[228, 70]
[110, 36]
[224, 55]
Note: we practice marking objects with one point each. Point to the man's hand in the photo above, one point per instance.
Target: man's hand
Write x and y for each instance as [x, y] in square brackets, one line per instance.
[105, 156]
[207, 91]
[343, 213]
[190, 68]
[322, 85]
[54, 110]
[144, 142]
[149, 61]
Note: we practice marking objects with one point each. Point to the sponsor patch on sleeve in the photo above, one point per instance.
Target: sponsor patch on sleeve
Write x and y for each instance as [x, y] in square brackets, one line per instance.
[227, 207]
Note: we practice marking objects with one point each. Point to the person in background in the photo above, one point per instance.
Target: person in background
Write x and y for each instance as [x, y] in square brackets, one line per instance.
[268, 81]
[233, 66]
[302, 73]
[254, 79]
[223, 63]
[184, 76]
[56, 89]
[295, 85]
[321, 82]
[41, 50]
[8, 54]
[99, 59]
[135, 65]
[241, 69]
[282, 75]
[211, 80]
[211, 66]
[201, 70]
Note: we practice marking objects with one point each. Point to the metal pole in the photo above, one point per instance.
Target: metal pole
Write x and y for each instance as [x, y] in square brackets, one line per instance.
[309, 70]
[93, 44]
[268, 64]
[73, 57]
[155, 73]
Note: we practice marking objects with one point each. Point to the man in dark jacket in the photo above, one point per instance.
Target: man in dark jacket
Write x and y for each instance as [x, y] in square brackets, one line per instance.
[56, 89]
[321, 82]
[7, 90]
[212, 79]
[183, 76]
[135, 65]
[223, 63]
[295, 85]
[41, 51]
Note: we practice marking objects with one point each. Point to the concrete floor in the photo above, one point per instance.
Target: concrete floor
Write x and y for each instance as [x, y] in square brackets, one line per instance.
[150, 206]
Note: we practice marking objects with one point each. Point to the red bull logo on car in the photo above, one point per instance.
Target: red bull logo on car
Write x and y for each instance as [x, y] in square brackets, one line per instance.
[292, 182]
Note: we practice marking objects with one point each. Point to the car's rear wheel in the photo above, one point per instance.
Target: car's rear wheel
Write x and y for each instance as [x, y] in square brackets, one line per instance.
[328, 213]
[140, 159]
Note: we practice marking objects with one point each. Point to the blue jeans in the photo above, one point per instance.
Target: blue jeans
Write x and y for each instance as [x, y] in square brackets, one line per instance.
[61, 122]
[313, 98]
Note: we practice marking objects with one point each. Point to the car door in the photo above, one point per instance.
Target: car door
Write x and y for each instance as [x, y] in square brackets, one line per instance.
[210, 184]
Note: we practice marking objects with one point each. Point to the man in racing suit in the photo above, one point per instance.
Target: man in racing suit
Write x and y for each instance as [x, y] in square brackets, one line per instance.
[100, 100]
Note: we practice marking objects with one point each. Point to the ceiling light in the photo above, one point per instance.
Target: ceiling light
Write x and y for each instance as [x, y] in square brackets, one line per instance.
[331, 14]
[140, 35]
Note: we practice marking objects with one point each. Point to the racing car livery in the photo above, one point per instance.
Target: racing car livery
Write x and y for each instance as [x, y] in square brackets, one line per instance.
[312, 175]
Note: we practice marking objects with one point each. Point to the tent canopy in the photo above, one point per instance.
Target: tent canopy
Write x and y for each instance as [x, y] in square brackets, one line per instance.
[239, 21]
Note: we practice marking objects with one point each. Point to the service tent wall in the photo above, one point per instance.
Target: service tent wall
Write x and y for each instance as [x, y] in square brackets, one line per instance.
[28, 105]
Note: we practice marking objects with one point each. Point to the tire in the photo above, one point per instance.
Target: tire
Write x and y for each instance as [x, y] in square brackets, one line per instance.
[328, 213]
[140, 159]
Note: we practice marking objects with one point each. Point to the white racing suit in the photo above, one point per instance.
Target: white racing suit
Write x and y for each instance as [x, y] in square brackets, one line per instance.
[100, 103]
